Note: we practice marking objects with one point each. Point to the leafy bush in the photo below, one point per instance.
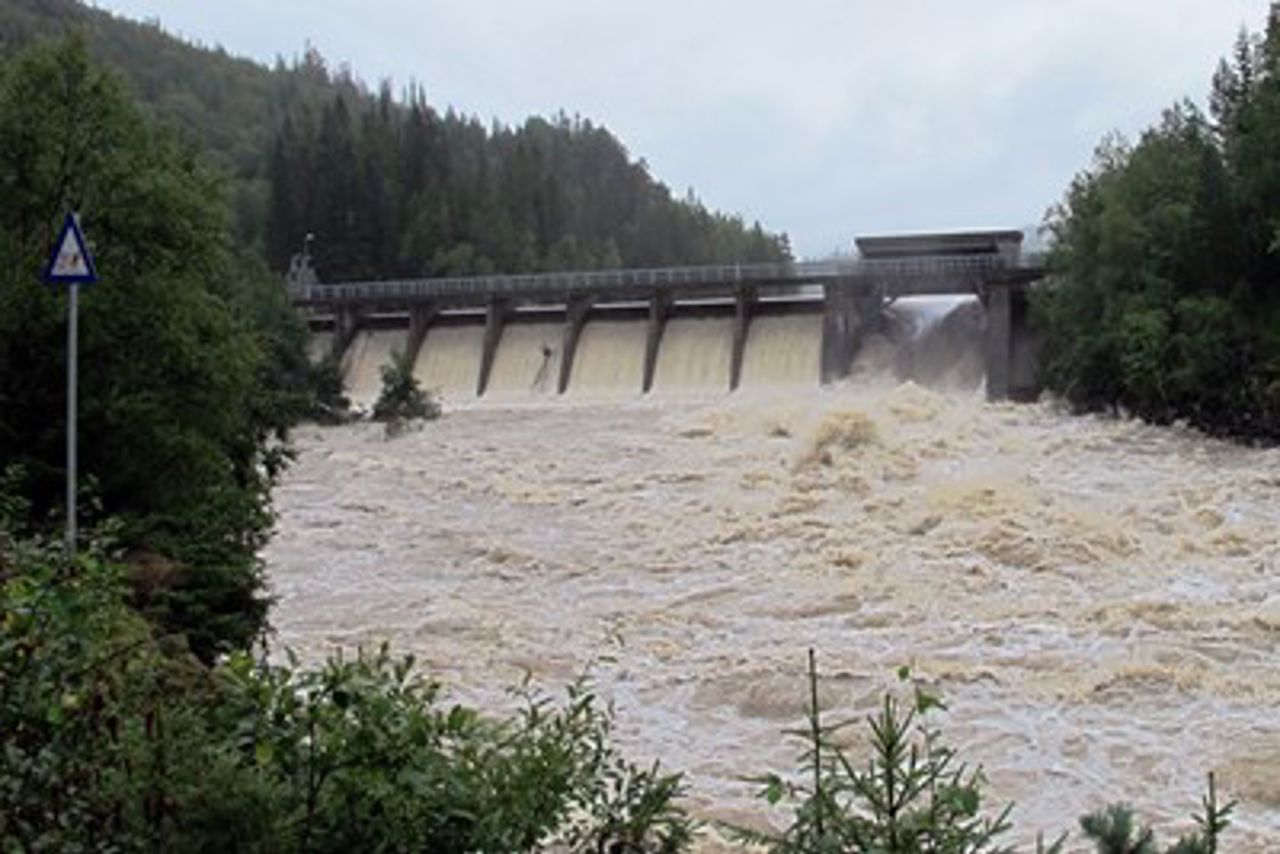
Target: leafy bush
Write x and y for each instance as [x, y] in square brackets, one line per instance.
[114, 739]
[329, 402]
[363, 755]
[402, 399]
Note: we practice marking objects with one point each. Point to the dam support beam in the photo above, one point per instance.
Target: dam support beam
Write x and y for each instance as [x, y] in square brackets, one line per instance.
[839, 331]
[999, 343]
[871, 320]
[346, 323]
[574, 321]
[659, 308]
[1024, 348]
[744, 304]
[494, 322]
[420, 317]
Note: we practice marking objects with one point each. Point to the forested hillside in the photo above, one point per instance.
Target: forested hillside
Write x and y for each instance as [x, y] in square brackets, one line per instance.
[1166, 298]
[407, 187]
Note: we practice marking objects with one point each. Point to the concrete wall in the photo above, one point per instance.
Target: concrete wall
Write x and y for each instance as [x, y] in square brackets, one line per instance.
[849, 312]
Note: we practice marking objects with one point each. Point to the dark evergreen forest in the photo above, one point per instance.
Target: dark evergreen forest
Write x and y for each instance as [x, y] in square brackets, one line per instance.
[406, 187]
[1166, 297]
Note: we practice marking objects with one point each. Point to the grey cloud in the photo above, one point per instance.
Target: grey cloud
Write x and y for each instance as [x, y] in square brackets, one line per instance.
[817, 117]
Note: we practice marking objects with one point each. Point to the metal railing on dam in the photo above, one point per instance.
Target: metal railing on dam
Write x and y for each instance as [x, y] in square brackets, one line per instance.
[888, 277]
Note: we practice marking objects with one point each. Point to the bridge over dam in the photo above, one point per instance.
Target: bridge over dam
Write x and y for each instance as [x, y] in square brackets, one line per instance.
[626, 329]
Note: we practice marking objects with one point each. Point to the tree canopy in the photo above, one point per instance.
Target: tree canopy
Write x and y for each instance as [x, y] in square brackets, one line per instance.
[392, 191]
[1166, 291]
[187, 350]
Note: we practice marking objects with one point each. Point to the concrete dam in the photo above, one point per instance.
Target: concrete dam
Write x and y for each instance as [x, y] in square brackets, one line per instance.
[670, 330]
[695, 352]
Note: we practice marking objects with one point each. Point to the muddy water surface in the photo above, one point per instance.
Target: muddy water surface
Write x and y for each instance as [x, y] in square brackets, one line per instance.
[1097, 600]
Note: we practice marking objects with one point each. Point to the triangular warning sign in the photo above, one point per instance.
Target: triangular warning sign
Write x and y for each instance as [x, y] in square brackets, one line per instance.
[71, 262]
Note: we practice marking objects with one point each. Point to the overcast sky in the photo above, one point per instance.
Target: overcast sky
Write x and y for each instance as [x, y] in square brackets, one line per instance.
[820, 118]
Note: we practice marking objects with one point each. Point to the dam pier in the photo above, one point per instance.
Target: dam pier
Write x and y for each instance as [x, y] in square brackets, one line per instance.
[838, 303]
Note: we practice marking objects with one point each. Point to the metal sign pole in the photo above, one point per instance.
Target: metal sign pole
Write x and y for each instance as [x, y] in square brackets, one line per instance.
[71, 264]
[73, 312]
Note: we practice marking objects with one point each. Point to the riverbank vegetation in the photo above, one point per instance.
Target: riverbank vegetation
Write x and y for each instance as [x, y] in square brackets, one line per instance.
[1165, 300]
[112, 738]
[192, 362]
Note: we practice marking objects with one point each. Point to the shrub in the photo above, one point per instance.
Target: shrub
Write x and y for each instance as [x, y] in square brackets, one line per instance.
[329, 402]
[113, 739]
[402, 399]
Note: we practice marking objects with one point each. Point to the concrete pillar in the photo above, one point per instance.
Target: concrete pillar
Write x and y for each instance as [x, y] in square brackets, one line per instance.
[870, 312]
[1024, 367]
[659, 308]
[574, 320]
[495, 321]
[346, 323]
[420, 317]
[839, 331]
[999, 343]
[744, 303]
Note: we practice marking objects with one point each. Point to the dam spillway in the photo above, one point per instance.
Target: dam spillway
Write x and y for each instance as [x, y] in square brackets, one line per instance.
[695, 353]
[938, 342]
[700, 324]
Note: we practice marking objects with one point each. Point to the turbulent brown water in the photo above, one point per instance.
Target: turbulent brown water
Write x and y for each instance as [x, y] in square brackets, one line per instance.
[1096, 599]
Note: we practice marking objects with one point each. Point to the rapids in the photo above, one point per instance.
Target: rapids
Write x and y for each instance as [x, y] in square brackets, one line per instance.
[1096, 599]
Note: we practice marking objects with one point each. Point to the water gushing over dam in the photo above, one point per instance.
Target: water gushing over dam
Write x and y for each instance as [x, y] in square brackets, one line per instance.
[694, 356]
[1095, 599]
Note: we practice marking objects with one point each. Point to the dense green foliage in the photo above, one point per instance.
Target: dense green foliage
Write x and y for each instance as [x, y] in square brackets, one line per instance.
[191, 360]
[1166, 294]
[390, 190]
[401, 397]
[394, 186]
[110, 740]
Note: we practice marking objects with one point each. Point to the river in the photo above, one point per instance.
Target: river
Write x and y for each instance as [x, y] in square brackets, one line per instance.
[1095, 599]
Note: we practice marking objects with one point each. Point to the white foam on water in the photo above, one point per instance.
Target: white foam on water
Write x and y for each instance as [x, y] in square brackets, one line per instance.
[319, 345]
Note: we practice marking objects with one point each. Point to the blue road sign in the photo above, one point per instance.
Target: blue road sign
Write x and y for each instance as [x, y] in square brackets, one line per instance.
[71, 263]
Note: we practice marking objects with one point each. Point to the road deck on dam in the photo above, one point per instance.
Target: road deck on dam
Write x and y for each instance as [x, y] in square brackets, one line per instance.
[895, 277]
